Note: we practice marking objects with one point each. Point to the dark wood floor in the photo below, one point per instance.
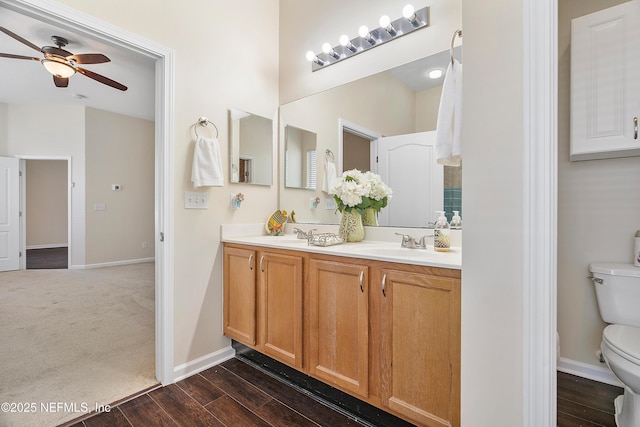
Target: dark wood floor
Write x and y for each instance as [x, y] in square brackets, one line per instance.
[230, 394]
[585, 403]
[237, 394]
[49, 258]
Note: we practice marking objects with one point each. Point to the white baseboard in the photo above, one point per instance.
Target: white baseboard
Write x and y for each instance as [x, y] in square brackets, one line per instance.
[593, 372]
[205, 362]
[112, 264]
[49, 246]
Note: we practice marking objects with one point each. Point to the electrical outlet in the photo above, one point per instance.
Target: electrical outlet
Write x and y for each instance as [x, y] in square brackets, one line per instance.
[196, 200]
[100, 207]
[144, 245]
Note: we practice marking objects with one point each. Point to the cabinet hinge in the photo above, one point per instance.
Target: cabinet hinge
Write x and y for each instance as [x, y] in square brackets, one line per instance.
[19, 173]
[19, 254]
[161, 236]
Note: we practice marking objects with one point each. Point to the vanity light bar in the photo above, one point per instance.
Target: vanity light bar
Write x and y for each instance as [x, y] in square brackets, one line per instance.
[368, 39]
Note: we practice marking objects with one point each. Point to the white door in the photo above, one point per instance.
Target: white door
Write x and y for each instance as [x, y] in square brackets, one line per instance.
[407, 164]
[605, 88]
[9, 214]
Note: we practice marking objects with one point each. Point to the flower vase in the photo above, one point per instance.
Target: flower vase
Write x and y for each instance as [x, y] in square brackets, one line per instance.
[351, 228]
[370, 217]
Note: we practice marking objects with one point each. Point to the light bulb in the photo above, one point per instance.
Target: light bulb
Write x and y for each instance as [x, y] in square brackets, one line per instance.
[310, 56]
[345, 42]
[435, 74]
[326, 47]
[385, 21]
[408, 11]
[363, 32]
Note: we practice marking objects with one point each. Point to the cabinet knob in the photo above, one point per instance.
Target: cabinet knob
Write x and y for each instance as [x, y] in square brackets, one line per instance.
[261, 260]
[251, 262]
[635, 128]
[361, 281]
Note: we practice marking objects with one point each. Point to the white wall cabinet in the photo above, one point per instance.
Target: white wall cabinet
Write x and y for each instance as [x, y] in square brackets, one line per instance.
[605, 83]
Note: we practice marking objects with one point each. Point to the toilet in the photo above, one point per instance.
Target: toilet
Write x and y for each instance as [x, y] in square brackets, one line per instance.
[618, 293]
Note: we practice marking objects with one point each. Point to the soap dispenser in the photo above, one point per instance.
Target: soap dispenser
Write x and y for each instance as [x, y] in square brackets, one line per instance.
[456, 221]
[441, 242]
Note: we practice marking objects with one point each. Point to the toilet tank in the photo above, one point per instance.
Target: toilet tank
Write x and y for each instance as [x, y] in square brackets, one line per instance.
[618, 292]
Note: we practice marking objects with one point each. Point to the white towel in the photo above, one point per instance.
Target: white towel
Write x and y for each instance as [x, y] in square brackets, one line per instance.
[207, 164]
[330, 176]
[449, 127]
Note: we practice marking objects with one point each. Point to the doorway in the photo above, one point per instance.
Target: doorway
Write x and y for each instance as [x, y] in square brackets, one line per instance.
[45, 213]
[357, 147]
[61, 15]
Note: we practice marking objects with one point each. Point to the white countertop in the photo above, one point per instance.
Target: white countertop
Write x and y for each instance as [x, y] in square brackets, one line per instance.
[367, 249]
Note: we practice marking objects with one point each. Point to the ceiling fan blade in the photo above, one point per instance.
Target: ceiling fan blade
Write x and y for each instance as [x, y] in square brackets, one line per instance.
[102, 79]
[10, 55]
[20, 39]
[89, 58]
[61, 81]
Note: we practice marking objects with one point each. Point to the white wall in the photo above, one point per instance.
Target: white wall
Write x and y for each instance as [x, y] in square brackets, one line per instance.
[226, 56]
[119, 150]
[598, 211]
[492, 275]
[45, 130]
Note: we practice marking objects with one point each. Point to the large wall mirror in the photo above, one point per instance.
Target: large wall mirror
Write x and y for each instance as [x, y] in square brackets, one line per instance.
[251, 148]
[401, 103]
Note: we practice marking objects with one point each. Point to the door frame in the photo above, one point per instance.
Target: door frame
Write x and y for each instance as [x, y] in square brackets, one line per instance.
[346, 126]
[58, 14]
[23, 205]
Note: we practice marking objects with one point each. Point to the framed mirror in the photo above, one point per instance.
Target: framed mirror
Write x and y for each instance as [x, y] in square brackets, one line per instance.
[401, 101]
[300, 158]
[250, 148]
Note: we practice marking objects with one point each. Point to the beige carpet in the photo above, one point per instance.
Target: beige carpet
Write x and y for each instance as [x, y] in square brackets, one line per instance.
[74, 339]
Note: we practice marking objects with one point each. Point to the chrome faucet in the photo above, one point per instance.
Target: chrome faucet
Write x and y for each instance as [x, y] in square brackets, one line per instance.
[302, 235]
[411, 243]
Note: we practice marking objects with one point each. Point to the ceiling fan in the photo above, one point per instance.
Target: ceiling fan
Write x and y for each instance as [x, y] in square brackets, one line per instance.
[63, 64]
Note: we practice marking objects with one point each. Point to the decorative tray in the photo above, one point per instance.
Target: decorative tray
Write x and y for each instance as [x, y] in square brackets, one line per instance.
[325, 239]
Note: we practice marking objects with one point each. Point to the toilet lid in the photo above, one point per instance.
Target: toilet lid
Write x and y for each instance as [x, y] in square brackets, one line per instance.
[614, 269]
[624, 340]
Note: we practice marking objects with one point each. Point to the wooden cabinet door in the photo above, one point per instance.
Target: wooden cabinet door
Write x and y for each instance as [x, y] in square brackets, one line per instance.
[338, 331]
[281, 307]
[605, 89]
[420, 346]
[240, 295]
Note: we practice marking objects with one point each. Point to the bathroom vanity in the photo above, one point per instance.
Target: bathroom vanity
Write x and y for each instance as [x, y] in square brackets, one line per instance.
[377, 321]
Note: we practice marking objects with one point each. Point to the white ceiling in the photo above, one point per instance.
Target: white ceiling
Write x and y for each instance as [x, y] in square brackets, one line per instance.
[27, 82]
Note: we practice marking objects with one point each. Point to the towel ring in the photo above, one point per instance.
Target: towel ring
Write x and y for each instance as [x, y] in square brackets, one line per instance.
[329, 154]
[203, 121]
[455, 33]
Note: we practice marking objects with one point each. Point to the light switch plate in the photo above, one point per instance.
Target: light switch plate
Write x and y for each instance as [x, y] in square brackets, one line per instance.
[196, 200]
[330, 204]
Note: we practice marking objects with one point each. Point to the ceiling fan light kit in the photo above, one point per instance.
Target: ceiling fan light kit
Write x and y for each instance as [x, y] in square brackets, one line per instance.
[61, 63]
[58, 67]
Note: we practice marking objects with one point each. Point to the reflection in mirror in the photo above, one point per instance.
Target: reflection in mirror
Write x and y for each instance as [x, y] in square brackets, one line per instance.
[251, 148]
[400, 101]
[300, 158]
